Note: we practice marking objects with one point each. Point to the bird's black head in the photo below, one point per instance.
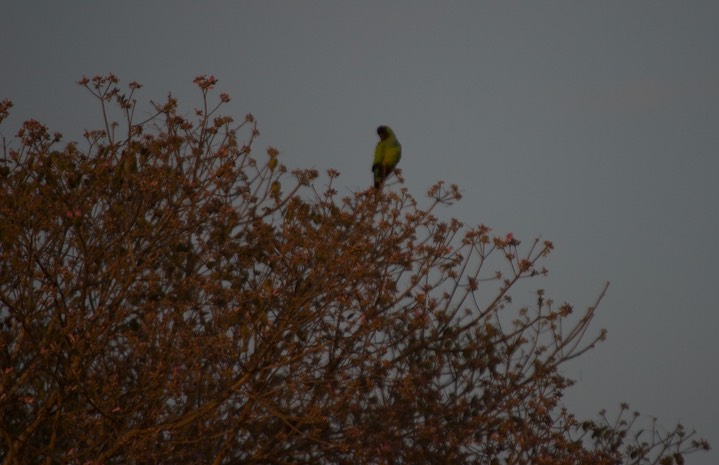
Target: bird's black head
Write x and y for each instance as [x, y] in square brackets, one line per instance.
[383, 132]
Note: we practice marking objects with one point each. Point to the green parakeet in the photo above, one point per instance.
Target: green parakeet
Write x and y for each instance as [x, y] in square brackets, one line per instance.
[386, 155]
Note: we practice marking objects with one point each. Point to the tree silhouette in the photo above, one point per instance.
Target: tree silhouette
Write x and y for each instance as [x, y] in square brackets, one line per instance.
[168, 296]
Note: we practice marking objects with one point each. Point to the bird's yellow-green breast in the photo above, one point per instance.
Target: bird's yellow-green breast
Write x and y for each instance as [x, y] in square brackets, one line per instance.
[388, 151]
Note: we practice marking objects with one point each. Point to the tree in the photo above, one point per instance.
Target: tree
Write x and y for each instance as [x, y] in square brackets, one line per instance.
[167, 296]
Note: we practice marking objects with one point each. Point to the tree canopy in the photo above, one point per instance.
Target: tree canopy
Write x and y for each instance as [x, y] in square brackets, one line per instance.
[170, 295]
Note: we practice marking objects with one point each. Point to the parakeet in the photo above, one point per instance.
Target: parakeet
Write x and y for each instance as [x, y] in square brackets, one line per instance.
[386, 155]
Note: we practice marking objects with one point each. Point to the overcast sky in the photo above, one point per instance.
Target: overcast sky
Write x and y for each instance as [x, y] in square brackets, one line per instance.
[591, 124]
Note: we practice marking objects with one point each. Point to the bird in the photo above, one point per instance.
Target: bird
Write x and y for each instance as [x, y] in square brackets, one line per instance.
[386, 155]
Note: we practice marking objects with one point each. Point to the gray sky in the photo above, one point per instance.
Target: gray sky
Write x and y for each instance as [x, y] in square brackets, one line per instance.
[591, 124]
